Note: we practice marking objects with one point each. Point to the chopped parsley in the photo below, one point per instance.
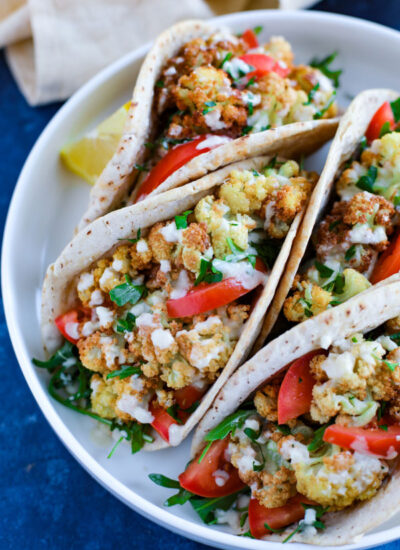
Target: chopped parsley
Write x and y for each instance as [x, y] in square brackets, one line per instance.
[268, 250]
[227, 57]
[209, 106]
[127, 324]
[323, 270]
[127, 292]
[324, 66]
[311, 94]
[320, 114]
[366, 182]
[181, 221]
[124, 372]
[258, 29]
[246, 130]
[350, 252]
[250, 82]
[160, 84]
[363, 143]
[208, 273]
[141, 167]
[385, 129]
[390, 365]
[239, 254]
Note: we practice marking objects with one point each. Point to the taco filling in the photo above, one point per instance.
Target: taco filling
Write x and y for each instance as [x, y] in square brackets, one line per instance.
[357, 242]
[224, 86]
[157, 320]
[318, 438]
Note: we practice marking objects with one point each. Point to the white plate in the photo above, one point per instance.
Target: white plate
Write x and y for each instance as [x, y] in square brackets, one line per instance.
[48, 201]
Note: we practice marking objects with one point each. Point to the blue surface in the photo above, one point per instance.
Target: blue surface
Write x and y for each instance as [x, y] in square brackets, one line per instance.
[46, 499]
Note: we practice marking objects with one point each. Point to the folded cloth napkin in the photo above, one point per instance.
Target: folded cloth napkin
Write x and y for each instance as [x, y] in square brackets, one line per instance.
[54, 46]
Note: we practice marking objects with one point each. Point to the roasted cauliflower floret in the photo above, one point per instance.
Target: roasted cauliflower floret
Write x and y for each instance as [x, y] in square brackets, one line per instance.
[178, 374]
[276, 482]
[310, 300]
[244, 191]
[159, 245]
[310, 78]
[266, 402]
[280, 49]
[337, 479]
[102, 353]
[195, 243]
[209, 103]
[103, 397]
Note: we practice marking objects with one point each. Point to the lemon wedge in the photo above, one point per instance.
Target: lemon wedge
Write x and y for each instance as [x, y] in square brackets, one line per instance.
[88, 156]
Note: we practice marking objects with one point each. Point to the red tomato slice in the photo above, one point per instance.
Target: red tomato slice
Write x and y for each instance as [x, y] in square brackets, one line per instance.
[187, 396]
[162, 420]
[250, 37]
[199, 478]
[295, 393]
[377, 442]
[264, 64]
[382, 115]
[389, 262]
[275, 517]
[73, 316]
[174, 159]
[210, 296]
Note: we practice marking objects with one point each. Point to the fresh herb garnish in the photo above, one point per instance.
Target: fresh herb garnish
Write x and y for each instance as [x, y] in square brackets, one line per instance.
[333, 225]
[253, 436]
[127, 324]
[208, 273]
[258, 29]
[173, 411]
[127, 292]
[239, 254]
[124, 372]
[246, 130]
[227, 57]
[181, 221]
[268, 251]
[209, 106]
[385, 129]
[141, 168]
[317, 441]
[321, 112]
[383, 427]
[366, 182]
[302, 526]
[250, 82]
[350, 252]
[395, 105]
[391, 366]
[381, 410]
[323, 270]
[311, 94]
[283, 428]
[323, 66]
[363, 144]
[274, 530]
[134, 241]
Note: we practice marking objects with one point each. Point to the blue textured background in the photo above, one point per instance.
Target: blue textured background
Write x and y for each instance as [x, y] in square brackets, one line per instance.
[46, 499]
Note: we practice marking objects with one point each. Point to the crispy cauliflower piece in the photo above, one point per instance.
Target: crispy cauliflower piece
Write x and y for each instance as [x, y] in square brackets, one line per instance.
[308, 78]
[276, 482]
[102, 353]
[279, 49]
[266, 402]
[244, 192]
[178, 374]
[160, 247]
[195, 243]
[310, 300]
[103, 397]
[337, 479]
[208, 102]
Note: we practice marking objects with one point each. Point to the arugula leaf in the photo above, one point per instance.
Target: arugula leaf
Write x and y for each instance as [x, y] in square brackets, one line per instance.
[317, 441]
[181, 221]
[246, 130]
[339, 284]
[127, 324]
[381, 409]
[135, 436]
[164, 481]
[323, 66]
[133, 241]
[181, 497]
[321, 112]
[208, 273]
[227, 57]
[124, 372]
[250, 82]
[366, 182]
[65, 356]
[395, 105]
[320, 511]
[274, 530]
[350, 252]
[173, 411]
[205, 507]
[127, 292]
[385, 129]
[323, 270]
[268, 250]
[311, 94]
[247, 534]
[229, 425]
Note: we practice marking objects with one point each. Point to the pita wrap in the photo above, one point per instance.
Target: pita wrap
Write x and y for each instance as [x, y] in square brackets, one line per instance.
[99, 239]
[351, 129]
[117, 180]
[361, 313]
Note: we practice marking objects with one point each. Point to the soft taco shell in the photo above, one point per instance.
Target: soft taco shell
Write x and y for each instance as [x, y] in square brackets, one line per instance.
[99, 238]
[115, 183]
[363, 312]
[352, 127]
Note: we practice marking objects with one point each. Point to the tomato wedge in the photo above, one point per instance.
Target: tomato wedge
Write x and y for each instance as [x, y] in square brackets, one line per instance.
[250, 37]
[275, 517]
[295, 393]
[210, 296]
[382, 115]
[174, 159]
[199, 478]
[389, 262]
[377, 442]
[264, 64]
[162, 420]
[187, 396]
[71, 317]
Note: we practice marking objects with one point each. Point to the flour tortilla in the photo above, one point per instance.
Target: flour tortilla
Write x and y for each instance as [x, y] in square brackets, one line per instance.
[100, 238]
[361, 313]
[352, 127]
[115, 183]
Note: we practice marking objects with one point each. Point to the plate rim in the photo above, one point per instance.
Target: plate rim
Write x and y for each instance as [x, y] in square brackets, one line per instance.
[141, 505]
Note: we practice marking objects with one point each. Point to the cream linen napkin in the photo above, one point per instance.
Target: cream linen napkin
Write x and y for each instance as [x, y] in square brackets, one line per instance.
[54, 46]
